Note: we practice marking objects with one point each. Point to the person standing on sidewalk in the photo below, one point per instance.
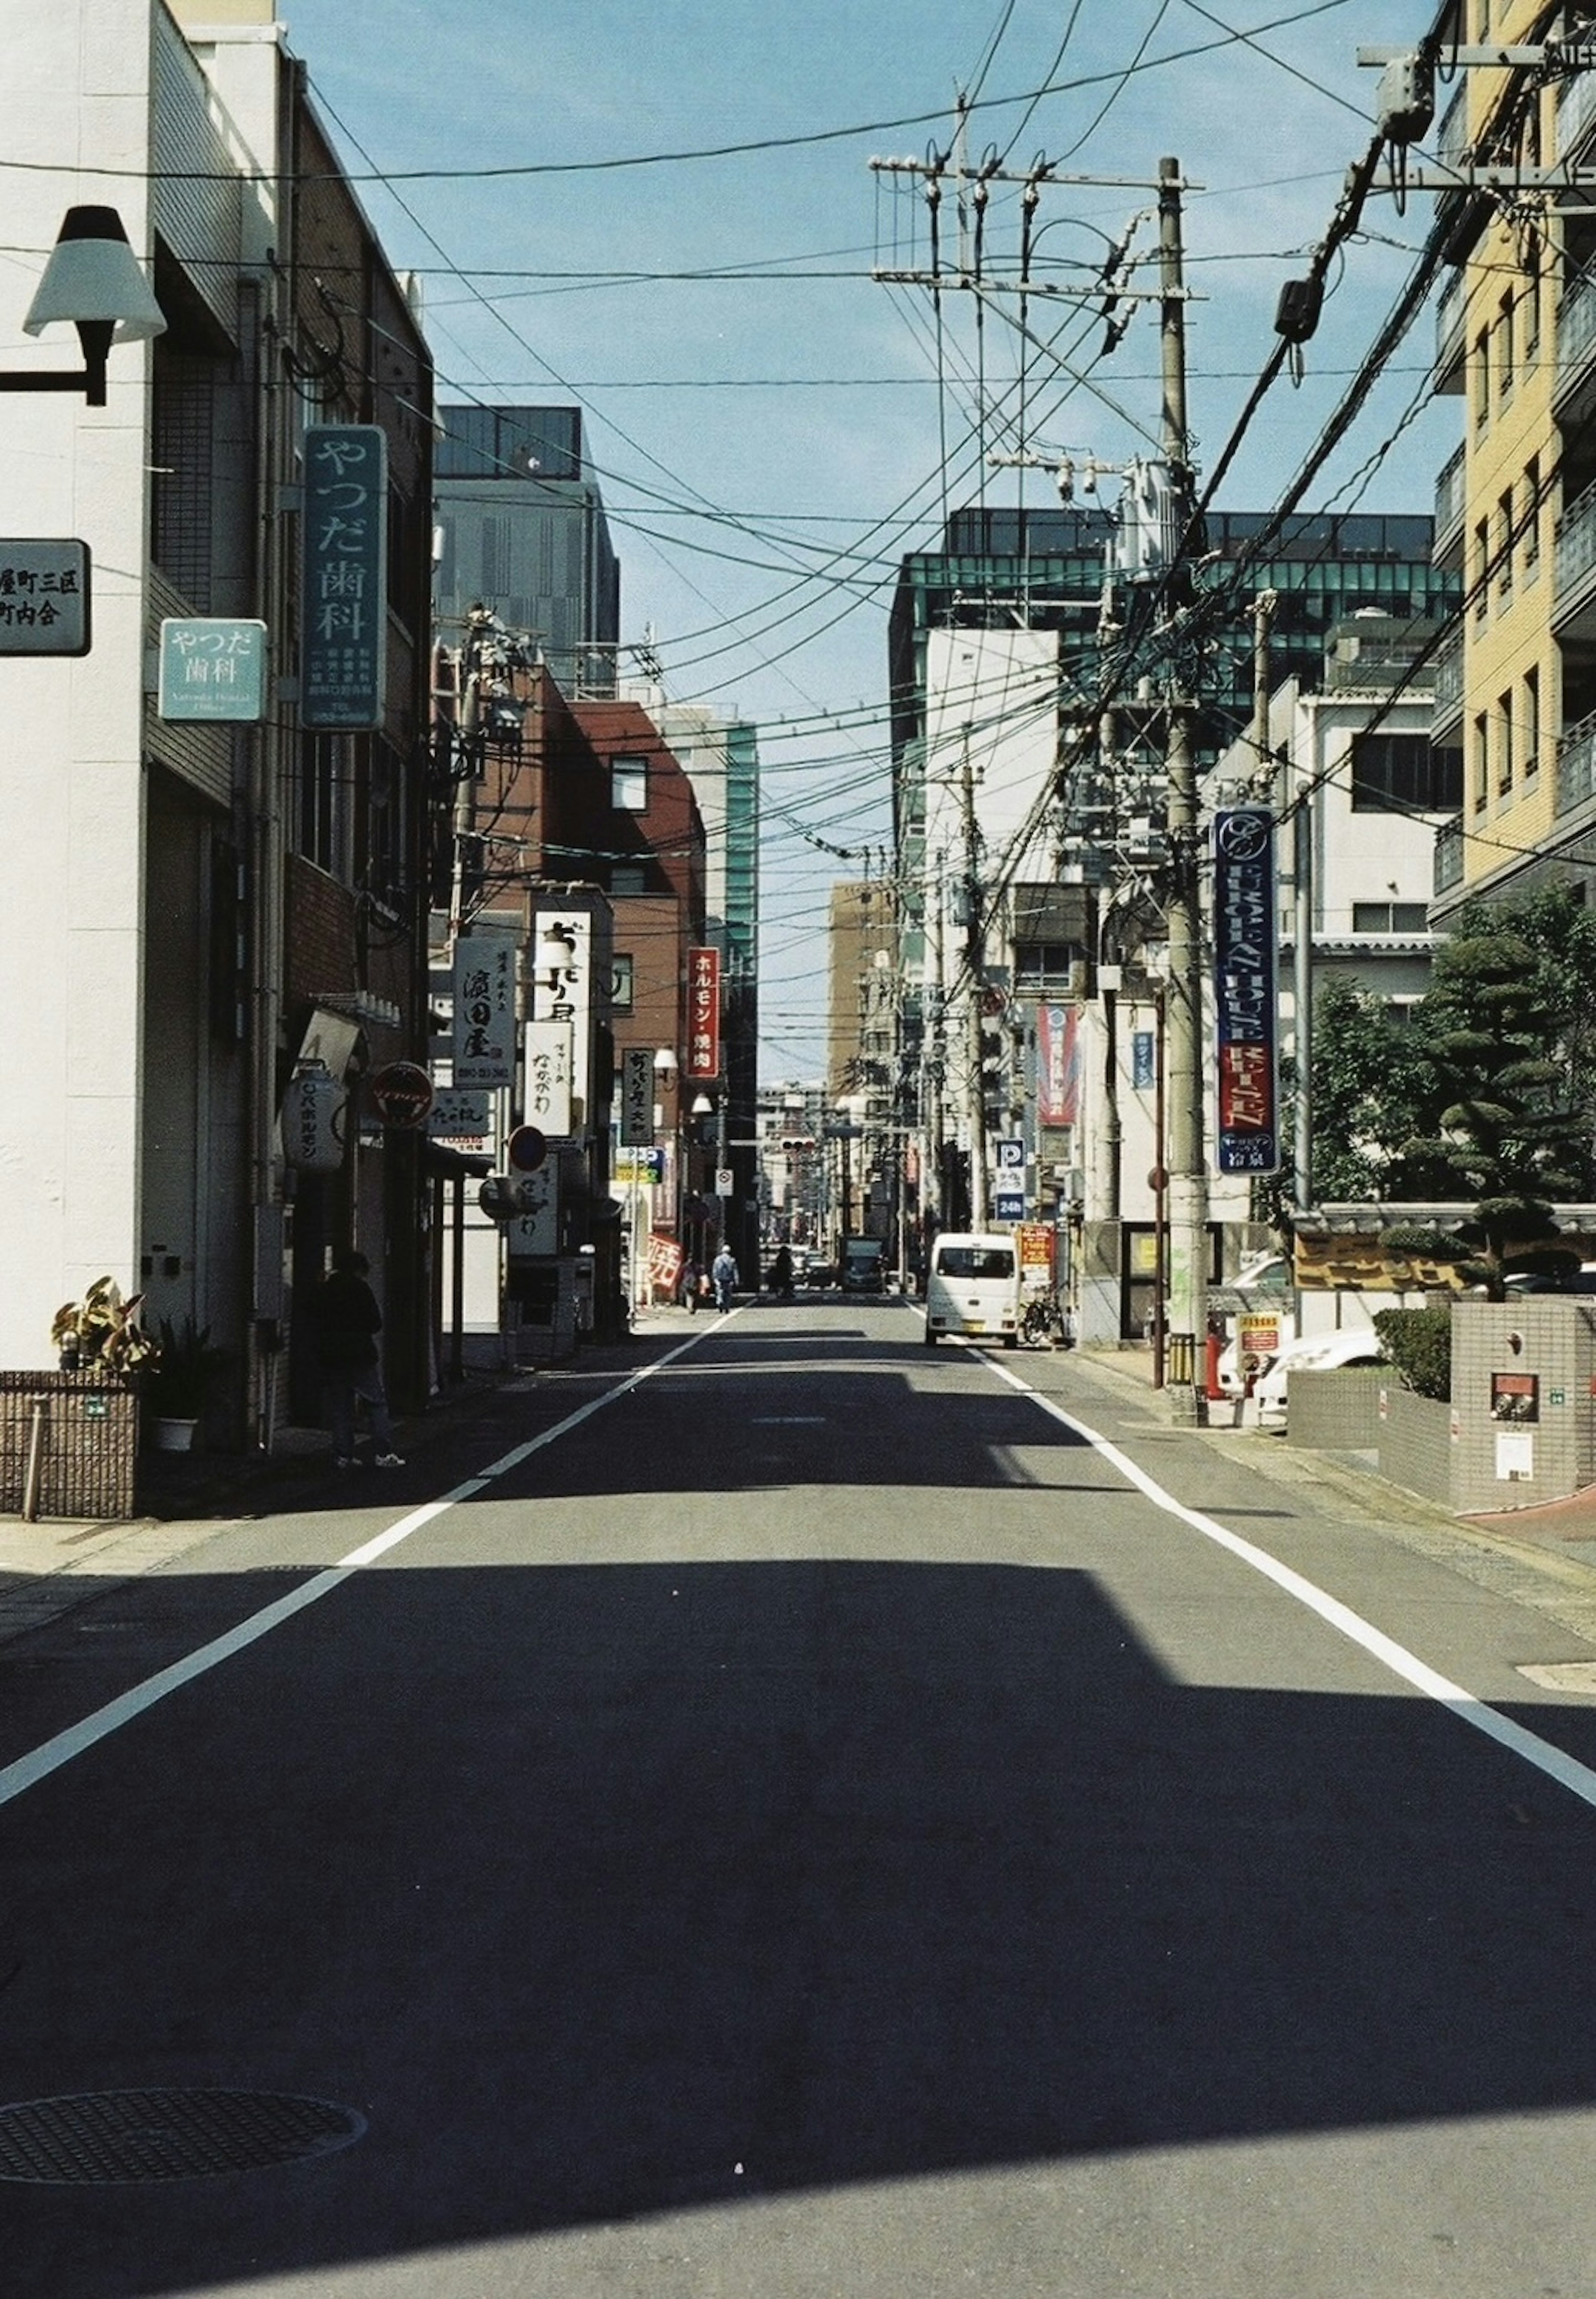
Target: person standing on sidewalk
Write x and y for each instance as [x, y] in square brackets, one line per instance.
[348, 1322]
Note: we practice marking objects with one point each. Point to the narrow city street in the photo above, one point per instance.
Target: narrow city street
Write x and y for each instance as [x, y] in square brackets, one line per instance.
[813, 1815]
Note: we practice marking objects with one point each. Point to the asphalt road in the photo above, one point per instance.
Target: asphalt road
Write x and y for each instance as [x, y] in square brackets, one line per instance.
[803, 1822]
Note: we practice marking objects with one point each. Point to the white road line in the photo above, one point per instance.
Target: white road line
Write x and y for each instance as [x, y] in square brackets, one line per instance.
[77, 1740]
[1578, 1778]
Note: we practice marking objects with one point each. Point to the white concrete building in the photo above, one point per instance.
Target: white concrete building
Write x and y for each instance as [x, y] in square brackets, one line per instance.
[186, 898]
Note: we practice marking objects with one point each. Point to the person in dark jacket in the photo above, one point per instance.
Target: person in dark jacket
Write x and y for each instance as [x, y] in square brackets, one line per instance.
[348, 1322]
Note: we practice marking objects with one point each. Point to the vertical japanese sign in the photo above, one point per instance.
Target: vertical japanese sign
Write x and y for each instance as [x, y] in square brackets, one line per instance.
[1245, 1004]
[535, 1227]
[344, 607]
[484, 1010]
[548, 1101]
[703, 1014]
[561, 985]
[1058, 1065]
[637, 1098]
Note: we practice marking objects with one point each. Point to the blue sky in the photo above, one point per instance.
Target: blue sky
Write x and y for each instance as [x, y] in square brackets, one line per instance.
[773, 427]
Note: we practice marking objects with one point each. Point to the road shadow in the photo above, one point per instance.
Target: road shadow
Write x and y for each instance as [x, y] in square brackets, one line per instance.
[603, 1891]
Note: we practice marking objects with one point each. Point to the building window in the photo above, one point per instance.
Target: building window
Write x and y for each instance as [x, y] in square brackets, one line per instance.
[1504, 745]
[623, 978]
[1504, 549]
[629, 785]
[1532, 518]
[1391, 917]
[1478, 769]
[628, 879]
[323, 778]
[1482, 561]
[1482, 379]
[1504, 350]
[1532, 725]
[1400, 774]
[1531, 260]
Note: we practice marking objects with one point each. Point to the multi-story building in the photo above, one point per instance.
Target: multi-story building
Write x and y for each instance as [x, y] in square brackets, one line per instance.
[205, 905]
[1515, 502]
[522, 531]
[721, 759]
[1014, 652]
[653, 865]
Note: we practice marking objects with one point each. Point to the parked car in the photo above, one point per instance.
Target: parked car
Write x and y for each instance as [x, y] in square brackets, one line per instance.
[1353, 1344]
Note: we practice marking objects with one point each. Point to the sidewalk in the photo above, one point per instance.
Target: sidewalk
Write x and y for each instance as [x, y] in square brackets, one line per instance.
[55, 1564]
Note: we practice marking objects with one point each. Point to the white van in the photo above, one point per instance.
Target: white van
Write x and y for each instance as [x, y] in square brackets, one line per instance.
[972, 1286]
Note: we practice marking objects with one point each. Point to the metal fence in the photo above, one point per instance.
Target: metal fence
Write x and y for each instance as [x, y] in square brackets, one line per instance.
[69, 1445]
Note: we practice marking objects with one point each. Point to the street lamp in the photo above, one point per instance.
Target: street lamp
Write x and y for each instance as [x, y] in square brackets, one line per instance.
[94, 280]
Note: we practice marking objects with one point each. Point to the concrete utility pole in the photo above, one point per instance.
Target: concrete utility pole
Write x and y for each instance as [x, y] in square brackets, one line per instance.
[1187, 1167]
[975, 969]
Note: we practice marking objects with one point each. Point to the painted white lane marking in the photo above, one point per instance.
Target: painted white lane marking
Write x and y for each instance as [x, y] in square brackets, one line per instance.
[1578, 1778]
[52, 1755]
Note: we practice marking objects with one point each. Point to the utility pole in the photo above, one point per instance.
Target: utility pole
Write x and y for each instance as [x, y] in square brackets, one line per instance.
[1187, 1167]
[975, 969]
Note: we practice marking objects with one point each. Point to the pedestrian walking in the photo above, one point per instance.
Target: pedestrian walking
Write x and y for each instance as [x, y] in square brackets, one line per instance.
[724, 1270]
[691, 1285]
[348, 1322]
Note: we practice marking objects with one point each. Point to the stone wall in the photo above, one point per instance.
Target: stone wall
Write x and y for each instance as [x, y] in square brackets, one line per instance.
[1338, 1411]
[1522, 1403]
[1415, 1442]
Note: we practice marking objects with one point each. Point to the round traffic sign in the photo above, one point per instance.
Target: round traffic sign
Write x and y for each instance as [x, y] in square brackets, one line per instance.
[401, 1093]
[527, 1148]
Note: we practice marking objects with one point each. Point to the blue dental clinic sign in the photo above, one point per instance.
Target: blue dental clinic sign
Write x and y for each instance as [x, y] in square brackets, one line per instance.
[212, 667]
[343, 608]
[1245, 1003]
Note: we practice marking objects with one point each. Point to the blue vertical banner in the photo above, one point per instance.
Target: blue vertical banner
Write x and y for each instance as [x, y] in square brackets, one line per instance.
[1246, 1005]
[343, 604]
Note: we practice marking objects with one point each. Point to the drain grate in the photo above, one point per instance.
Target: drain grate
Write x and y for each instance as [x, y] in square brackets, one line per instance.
[106, 2137]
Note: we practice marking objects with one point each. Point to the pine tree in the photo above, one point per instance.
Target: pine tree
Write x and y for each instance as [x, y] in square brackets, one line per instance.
[1509, 1135]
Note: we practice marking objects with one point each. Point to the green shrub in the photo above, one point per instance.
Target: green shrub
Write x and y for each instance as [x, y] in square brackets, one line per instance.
[1418, 1343]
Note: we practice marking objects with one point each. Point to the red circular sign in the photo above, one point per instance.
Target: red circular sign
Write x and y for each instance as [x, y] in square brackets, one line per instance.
[526, 1148]
[401, 1093]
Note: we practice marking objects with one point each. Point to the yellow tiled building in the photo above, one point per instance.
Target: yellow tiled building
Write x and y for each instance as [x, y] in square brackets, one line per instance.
[1516, 504]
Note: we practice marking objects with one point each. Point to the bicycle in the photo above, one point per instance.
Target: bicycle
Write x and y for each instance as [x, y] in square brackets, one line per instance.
[1041, 1321]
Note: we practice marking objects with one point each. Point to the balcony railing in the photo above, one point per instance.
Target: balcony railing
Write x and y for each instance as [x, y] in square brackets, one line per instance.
[1447, 670]
[1449, 323]
[1576, 544]
[1450, 493]
[1576, 765]
[1576, 109]
[1449, 854]
[1576, 325]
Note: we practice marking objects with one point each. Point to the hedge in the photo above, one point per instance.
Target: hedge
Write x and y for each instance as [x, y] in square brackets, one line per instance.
[1418, 1343]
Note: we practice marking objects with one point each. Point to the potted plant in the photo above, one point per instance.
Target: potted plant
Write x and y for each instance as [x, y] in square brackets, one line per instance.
[179, 1382]
[101, 1334]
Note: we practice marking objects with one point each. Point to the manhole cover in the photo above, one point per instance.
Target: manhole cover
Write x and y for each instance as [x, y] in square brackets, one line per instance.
[91, 2137]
